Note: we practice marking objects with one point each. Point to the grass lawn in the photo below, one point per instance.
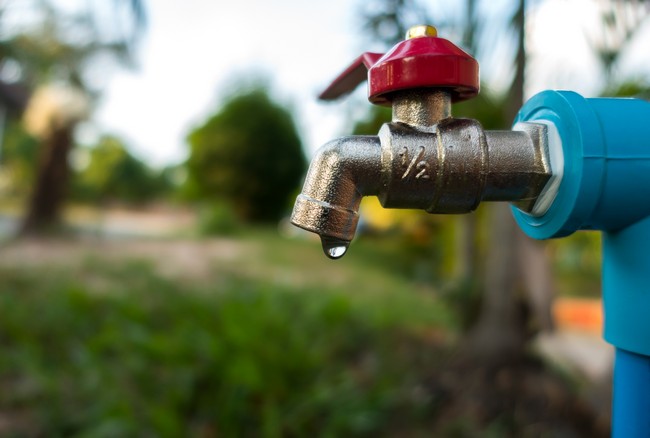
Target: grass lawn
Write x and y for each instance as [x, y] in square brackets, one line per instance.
[255, 336]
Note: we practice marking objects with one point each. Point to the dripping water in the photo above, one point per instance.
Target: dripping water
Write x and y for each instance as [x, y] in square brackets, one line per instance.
[334, 248]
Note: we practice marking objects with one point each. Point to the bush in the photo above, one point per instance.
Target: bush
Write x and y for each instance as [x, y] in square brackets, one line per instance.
[218, 218]
[248, 154]
[240, 359]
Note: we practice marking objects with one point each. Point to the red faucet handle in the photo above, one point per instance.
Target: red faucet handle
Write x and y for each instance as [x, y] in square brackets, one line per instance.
[351, 77]
[421, 61]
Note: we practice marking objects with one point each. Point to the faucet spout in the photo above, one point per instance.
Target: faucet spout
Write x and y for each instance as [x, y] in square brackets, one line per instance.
[342, 172]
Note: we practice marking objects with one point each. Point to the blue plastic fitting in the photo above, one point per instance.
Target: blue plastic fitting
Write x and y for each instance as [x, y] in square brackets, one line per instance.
[606, 187]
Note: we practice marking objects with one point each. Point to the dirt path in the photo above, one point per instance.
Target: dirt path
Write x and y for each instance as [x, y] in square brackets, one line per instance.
[184, 258]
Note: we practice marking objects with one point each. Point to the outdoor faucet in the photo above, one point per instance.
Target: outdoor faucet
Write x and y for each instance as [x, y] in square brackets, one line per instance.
[424, 158]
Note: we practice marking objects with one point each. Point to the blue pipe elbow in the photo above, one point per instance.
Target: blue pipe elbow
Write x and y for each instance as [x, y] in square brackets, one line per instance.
[606, 181]
[606, 187]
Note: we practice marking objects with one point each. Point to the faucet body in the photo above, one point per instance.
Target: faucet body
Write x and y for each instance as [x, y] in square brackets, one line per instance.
[423, 159]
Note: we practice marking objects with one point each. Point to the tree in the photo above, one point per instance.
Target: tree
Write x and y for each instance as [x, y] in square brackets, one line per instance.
[248, 154]
[62, 51]
[620, 23]
[113, 174]
[386, 21]
[19, 153]
[501, 329]
[518, 286]
[52, 116]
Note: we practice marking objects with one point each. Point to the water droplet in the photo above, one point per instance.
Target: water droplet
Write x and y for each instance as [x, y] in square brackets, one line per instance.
[334, 248]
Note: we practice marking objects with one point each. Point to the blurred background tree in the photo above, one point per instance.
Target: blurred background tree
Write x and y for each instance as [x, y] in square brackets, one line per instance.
[501, 330]
[114, 174]
[577, 258]
[64, 53]
[386, 21]
[248, 155]
[19, 155]
[620, 23]
[263, 324]
[517, 287]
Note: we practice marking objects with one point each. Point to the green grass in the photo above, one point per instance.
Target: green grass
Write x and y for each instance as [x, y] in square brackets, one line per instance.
[279, 342]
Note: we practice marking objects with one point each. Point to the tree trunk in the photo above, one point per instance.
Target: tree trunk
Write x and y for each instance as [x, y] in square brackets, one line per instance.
[44, 209]
[535, 268]
[534, 265]
[514, 263]
[466, 246]
[466, 249]
[500, 333]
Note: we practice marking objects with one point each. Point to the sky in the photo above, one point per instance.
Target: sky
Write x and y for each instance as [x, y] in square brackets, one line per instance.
[193, 51]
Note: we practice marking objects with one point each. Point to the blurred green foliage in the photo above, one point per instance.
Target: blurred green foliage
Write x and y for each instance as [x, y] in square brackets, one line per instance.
[487, 108]
[114, 174]
[272, 339]
[577, 261]
[375, 117]
[61, 43]
[249, 155]
[111, 173]
[638, 87]
[114, 349]
[386, 21]
[217, 218]
[19, 158]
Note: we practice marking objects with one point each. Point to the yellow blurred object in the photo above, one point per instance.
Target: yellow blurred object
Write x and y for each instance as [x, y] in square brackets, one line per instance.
[383, 219]
[377, 217]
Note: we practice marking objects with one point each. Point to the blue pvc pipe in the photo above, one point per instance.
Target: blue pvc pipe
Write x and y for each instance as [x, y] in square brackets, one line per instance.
[631, 405]
[626, 287]
[606, 187]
